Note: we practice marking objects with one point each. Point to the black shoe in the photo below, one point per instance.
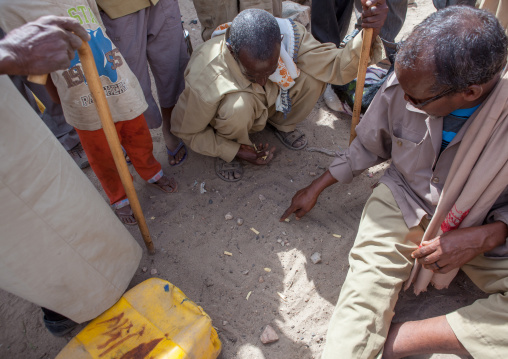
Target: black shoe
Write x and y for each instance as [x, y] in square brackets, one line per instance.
[59, 327]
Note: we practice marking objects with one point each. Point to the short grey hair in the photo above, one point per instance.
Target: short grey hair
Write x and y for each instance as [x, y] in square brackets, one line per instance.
[465, 46]
[256, 31]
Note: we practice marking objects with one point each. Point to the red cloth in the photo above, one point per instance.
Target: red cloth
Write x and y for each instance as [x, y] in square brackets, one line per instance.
[137, 142]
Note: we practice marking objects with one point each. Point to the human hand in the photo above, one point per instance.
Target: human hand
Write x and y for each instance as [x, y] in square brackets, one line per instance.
[302, 202]
[374, 15]
[262, 156]
[42, 46]
[455, 248]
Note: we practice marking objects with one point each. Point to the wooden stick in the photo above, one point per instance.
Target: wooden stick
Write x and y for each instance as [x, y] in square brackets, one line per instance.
[38, 79]
[360, 81]
[95, 86]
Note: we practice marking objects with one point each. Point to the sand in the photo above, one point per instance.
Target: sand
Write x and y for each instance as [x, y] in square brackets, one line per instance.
[191, 233]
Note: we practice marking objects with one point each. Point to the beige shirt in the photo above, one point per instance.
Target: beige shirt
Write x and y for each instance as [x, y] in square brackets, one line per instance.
[119, 8]
[213, 73]
[62, 246]
[123, 92]
[393, 129]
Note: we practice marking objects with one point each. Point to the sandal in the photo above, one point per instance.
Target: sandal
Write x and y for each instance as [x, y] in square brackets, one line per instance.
[171, 183]
[232, 167]
[288, 138]
[173, 154]
[123, 217]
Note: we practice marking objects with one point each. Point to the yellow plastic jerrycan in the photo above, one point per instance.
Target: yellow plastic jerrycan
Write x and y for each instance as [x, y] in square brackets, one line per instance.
[152, 320]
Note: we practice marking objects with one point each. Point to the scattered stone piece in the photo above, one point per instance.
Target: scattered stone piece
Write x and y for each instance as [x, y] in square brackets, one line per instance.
[228, 216]
[153, 271]
[261, 279]
[312, 174]
[144, 269]
[296, 12]
[261, 197]
[245, 272]
[269, 336]
[202, 188]
[279, 240]
[208, 282]
[315, 257]
[193, 22]
[307, 298]
[239, 221]
[224, 322]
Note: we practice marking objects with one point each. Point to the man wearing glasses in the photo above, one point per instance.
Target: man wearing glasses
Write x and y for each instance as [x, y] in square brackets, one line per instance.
[444, 110]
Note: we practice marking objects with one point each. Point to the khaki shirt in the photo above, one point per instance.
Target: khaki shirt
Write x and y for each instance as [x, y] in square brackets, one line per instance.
[119, 8]
[213, 73]
[393, 129]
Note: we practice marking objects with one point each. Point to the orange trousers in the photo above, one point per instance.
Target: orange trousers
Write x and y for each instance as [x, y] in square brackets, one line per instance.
[137, 142]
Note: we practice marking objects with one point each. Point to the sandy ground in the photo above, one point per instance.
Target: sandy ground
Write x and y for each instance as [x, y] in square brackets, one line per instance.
[191, 234]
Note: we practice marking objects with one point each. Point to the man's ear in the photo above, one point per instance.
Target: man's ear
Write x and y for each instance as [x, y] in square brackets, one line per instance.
[230, 48]
[472, 93]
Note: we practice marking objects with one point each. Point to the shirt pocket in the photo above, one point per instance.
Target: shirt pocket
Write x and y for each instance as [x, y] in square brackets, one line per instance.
[406, 154]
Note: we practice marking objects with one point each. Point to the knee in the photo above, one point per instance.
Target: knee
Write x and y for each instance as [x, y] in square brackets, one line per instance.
[236, 115]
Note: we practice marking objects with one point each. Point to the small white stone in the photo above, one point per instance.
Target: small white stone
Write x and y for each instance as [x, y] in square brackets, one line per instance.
[144, 269]
[239, 221]
[245, 272]
[224, 322]
[261, 197]
[153, 271]
[315, 257]
[312, 174]
[228, 216]
[269, 336]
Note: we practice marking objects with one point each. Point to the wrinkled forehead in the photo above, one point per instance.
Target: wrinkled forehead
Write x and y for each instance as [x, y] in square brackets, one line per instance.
[417, 81]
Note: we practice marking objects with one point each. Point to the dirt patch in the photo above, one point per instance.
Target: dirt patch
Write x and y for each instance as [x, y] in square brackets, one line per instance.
[191, 233]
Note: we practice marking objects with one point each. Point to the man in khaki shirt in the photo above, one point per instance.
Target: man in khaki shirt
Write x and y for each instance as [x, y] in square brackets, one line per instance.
[413, 121]
[228, 93]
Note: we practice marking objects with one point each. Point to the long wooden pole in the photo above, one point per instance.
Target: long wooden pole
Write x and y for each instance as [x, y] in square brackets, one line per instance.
[360, 80]
[95, 86]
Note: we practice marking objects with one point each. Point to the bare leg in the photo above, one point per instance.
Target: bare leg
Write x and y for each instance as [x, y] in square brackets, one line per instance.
[171, 140]
[427, 336]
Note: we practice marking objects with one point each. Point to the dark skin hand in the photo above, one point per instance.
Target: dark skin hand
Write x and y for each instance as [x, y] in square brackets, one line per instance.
[374, 15]
[249, 154]
[455, 248]
[42, 46]
[305, 199]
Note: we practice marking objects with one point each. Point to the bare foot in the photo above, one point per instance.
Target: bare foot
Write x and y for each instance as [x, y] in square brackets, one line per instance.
[177, 153]
[126, 216]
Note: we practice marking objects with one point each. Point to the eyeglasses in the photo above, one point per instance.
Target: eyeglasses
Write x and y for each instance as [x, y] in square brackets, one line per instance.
[421, 103]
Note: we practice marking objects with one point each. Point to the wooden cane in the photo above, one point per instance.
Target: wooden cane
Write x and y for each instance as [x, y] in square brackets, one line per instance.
[360, 80]
[95, 86]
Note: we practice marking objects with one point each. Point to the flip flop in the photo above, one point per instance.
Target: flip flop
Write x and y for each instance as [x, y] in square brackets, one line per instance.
[221, 165]
[288, 138]
[172, 184]
[121, 217]
[173, 153]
